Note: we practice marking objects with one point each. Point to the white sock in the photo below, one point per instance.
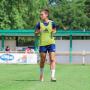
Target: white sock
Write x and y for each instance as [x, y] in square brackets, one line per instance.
[53, 73]
[41, 71]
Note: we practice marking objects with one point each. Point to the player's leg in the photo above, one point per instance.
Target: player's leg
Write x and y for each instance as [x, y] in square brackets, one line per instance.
[42, 50]
[52, 65]
[52, 57]
[43, 58]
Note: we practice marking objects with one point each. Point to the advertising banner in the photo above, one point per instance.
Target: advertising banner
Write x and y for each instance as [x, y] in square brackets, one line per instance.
[18, 58]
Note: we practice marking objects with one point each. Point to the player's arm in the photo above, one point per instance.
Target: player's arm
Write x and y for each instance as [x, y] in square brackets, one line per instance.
[53, 27]
[37, 31]
[54, 30]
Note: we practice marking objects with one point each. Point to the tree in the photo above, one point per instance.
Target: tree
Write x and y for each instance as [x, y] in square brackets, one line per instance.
[24, 14]
[70, 13]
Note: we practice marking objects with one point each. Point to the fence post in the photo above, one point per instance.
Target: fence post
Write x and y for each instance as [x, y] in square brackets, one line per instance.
[3, 38]
[36, 43]
[70, 56]
[84, 53]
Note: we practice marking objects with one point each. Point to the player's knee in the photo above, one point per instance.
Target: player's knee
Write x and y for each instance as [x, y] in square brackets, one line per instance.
[42, 64]
[42, 61]
[52, 61]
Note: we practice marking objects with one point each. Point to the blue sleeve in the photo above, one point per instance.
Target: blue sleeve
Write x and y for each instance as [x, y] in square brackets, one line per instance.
[37, 26]
[53, 25]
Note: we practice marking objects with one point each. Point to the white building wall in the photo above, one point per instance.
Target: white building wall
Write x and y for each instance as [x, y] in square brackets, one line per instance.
[77, 45]
[10, 43]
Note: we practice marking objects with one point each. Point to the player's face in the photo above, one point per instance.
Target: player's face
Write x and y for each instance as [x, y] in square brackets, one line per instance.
[43, 15]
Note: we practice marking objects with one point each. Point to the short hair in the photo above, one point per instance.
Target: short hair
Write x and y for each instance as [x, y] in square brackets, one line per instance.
[46, 11]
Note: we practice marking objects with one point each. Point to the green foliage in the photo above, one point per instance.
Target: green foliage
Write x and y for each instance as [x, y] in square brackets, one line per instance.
[24, 14]
[71, 13]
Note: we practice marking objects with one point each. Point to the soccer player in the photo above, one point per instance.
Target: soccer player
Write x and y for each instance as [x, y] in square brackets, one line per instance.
[45, 29]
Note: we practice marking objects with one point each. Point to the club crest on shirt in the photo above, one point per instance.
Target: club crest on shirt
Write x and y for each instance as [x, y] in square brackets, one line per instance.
[46, 30]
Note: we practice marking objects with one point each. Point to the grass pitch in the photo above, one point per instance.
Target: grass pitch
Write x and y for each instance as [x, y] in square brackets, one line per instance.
[26, 77]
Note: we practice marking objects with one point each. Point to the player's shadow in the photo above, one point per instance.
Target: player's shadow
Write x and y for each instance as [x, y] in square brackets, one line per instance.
[27, 80]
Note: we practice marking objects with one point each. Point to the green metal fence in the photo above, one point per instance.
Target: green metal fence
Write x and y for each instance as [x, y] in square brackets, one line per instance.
[30, 32]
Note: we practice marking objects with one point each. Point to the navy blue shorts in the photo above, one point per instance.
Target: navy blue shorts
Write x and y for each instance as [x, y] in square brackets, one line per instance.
[48, 48]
